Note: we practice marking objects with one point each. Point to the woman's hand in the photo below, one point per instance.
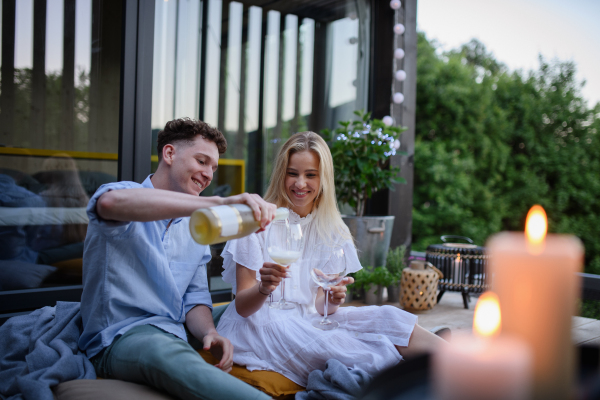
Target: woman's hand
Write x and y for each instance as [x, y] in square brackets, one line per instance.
[337, 293]
[271, 275]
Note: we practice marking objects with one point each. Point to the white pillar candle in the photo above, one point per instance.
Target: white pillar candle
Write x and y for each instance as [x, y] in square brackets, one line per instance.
[483, 366]
[535, 279]
[472, 368]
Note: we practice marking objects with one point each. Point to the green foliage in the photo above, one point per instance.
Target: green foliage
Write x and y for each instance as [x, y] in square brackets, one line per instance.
[361, 151]
[364, 278]
[590, 309]
[54, 119]
[491, 143]
[395, 262]
[382, 277]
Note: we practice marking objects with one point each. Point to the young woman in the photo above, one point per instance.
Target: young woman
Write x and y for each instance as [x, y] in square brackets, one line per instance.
[371, 338]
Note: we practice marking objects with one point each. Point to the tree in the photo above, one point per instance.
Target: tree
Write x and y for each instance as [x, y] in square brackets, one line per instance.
[490, 143]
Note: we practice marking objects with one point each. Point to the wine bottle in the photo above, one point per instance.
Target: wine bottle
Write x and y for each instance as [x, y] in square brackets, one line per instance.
[221, 223]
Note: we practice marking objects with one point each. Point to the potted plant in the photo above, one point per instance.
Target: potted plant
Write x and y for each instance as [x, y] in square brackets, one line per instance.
[362, 283]
[361, 153]
[379, 279]
[395, 263]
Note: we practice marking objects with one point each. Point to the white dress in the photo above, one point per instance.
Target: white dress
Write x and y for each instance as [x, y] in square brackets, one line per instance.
[285, 341]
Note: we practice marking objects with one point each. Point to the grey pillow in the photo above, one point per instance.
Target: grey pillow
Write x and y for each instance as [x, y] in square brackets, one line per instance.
[16, 275]
[106, 389]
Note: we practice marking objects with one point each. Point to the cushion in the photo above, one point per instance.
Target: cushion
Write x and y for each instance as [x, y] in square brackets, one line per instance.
[272, 383]
[51, 256]
[103, 389]
[16, 275]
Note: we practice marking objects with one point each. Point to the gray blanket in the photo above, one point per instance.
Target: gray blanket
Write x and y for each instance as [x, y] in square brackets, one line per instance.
[39, 351]
[337, 382]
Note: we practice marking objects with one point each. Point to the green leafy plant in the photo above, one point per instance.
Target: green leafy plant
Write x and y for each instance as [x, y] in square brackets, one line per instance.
[395, 263]
[382, 277]
[361, 153]
[362, 280]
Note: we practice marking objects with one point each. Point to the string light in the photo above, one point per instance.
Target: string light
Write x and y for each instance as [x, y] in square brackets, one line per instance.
[399, 29]
[400, 74]
[395, 4]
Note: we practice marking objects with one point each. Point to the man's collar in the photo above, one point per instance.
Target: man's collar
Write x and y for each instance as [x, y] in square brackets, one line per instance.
[148, 182]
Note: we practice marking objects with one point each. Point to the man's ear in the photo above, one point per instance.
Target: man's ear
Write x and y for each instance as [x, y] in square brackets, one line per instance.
[168, 153]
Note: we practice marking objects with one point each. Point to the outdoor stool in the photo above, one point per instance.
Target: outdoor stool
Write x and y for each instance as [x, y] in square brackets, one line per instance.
[464, 266]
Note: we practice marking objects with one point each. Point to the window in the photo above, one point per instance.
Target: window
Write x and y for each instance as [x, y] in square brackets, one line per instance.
[59, 113]
[259, 75]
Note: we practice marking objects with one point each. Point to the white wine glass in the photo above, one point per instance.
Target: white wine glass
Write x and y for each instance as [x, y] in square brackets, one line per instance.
[285, 242]
[328, 269]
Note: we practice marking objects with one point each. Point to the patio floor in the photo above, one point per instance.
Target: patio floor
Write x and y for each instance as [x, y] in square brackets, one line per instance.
[450, 312]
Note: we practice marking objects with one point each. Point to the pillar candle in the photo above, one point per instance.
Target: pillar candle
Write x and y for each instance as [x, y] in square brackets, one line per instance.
[537, 284]
[483, 365]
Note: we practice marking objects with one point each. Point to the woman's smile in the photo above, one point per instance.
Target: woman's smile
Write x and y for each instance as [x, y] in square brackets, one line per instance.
[302, 181]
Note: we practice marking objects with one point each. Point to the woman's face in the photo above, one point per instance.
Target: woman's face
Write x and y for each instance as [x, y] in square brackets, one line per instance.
[302, 181]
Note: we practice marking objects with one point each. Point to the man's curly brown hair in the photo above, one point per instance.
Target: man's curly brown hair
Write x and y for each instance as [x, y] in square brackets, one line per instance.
[185, 130]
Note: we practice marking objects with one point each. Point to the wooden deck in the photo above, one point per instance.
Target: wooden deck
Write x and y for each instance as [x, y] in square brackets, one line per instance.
[450, 312]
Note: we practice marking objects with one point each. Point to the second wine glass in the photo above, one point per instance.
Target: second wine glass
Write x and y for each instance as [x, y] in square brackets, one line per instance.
[285, 242]
[329, 268]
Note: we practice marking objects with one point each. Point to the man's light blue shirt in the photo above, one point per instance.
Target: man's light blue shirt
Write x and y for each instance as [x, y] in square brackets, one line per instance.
[138, 273]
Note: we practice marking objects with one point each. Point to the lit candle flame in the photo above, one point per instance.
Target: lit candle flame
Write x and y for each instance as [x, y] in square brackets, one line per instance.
[487, 321]
[536, 228]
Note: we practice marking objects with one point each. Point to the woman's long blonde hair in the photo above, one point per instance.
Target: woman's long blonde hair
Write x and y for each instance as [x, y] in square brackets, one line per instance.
[326, 214]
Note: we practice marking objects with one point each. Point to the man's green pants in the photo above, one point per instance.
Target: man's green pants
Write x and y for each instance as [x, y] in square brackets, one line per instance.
[148, 355]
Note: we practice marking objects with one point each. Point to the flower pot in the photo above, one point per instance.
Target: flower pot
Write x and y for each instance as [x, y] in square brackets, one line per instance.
[349, 296]
[394, 293]
[372, 236]
[375, 295]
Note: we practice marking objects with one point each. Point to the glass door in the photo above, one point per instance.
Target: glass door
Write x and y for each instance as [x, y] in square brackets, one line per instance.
[59, 117]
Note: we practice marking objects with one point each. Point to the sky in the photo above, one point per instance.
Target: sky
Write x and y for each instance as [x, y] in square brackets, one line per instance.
[517, 31]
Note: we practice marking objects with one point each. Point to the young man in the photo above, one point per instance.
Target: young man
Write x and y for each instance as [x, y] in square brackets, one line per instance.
[144, 276]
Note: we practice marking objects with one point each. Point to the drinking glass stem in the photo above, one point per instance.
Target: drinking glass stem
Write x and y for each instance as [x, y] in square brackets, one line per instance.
[282, 301]
[325, 320]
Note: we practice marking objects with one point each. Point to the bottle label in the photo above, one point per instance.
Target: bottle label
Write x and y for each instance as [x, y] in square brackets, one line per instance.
[230, 220]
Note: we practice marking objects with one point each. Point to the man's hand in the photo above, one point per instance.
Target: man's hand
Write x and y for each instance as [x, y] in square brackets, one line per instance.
[221, 348]
[271, 275]
[263, 211]
[337, 293]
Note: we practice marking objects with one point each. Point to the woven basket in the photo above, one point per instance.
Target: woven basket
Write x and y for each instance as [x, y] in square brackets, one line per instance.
[418, 286]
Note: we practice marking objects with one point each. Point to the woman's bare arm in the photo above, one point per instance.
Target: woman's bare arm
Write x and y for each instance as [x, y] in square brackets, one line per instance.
[251, 295]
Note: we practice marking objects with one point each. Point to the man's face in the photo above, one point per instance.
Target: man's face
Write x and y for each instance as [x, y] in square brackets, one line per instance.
[193, 166]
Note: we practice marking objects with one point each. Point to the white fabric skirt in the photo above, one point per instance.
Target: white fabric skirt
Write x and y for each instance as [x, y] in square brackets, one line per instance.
[287, 343]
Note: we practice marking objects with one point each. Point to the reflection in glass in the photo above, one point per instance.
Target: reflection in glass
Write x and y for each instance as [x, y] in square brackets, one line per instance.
[233, 73]
[213, 63]
[253, 49]
[59, 114]
[163, 77]
[290, 45]
[271, 85]
[187, 75]
[307, 49]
